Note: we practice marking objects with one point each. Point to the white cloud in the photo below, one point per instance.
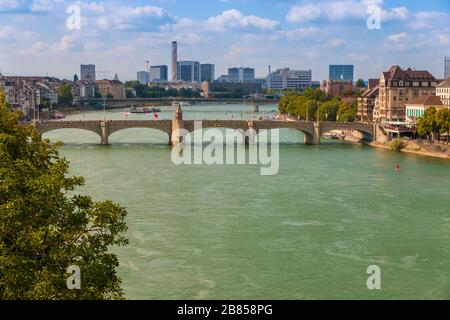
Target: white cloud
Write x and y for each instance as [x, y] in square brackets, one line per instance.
[398, 37]
[9, 4]
[301, 33]
[235, 19]
[343, 10]
[44, 5]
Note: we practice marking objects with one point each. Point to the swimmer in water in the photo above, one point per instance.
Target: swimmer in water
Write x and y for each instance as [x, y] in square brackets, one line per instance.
[397, 168]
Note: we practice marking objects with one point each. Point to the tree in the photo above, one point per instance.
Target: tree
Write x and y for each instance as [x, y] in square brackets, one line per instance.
[443, 121]
[109, 95]
[347, 112]
[65, 97]
[427, 124]
[360, 83]
[46, 227]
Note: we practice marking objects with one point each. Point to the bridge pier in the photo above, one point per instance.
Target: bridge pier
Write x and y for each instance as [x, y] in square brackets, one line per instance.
[177, 125]
[313, 139]
[104, 133]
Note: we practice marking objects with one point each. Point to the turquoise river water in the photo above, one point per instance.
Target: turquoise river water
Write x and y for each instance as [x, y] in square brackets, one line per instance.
[309, 232]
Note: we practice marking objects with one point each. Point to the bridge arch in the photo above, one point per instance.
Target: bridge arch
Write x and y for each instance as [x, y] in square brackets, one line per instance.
[45, 131]
[365, 132]
[159, 134]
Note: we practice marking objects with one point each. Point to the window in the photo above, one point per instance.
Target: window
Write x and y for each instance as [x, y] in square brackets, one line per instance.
[415, 84]
[424, 84]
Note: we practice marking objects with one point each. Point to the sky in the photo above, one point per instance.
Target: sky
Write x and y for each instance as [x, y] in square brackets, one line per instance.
[40, 37]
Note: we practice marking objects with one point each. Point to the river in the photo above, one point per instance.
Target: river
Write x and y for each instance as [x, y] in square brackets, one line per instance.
[309, 232]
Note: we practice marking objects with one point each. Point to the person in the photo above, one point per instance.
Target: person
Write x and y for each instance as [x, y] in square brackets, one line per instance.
[397, 168]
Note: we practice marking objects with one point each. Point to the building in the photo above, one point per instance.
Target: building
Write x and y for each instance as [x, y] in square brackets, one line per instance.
[111, 89]
[223, 78]
[398, 87]
[341, 73]
[83, 89]
[286, 79]
[417, 107]
[336, 88]
[143, 77]
[31, 93]
[188, 71]
[241, 74]
[447, 68]
[158, 73]
[87, 72]
[229, 89]
[174, 66]
[366, 103]
[443, 92]
[373, 83]
[207, 72]
[10, 90]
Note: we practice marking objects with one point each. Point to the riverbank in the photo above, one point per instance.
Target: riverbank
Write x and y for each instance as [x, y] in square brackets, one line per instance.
[414, 148]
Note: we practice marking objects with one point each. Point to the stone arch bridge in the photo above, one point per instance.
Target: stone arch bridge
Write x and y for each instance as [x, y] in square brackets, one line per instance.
[313, 131]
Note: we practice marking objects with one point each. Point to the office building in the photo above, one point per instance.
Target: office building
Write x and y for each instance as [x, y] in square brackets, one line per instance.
[174, 66]
[188, 71]
[286, 79]
[341, 73]
[143, 77]
[87, 72]
[207, 72]
[241, 74]
[158, 73]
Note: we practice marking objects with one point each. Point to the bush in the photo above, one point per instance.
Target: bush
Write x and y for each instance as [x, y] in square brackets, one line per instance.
[397, 144]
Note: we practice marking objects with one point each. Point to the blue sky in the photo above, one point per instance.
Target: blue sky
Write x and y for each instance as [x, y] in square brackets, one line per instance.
[118, 36]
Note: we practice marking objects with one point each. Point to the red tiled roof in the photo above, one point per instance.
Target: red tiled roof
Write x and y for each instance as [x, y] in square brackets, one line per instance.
[395, 73]
[427, 101]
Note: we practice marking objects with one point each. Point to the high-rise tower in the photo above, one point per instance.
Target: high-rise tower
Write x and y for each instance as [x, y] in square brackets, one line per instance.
[173, 77]
[447, 68]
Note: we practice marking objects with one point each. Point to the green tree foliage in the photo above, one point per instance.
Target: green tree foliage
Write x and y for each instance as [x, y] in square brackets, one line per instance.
[347, 113]
[45, 227]
[397, 144]
[313, 103]
[65, 97]
[360, 83]
[427, 125]
[443, 121]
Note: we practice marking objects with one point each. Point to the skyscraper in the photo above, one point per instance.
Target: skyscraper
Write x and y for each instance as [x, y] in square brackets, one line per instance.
[241, 74]
[158, 73]
[447, 68]
[207, 72]
[341, 73]
[87, 72]
[173, 77]
[143, 77]
[188, 71]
